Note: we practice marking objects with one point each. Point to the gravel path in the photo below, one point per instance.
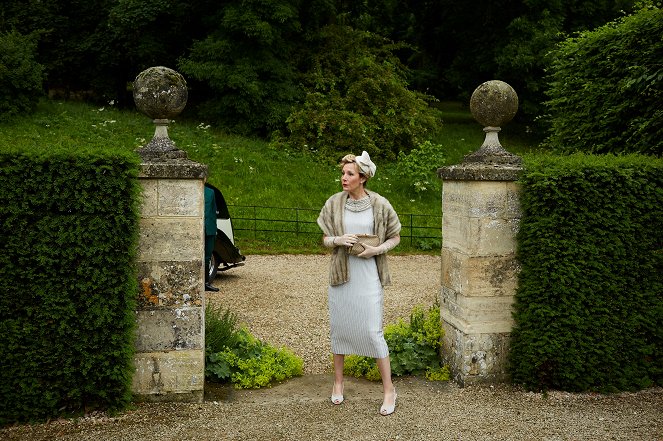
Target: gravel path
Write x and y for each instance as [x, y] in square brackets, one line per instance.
[282, 300]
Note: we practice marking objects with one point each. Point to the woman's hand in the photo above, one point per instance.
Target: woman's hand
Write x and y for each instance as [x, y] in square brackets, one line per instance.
[347, 240]
[370, 251]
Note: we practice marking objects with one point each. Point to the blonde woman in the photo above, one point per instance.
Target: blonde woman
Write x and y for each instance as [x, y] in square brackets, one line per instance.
[355, 293]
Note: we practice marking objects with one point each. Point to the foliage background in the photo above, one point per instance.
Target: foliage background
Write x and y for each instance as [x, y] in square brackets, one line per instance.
[21, 76]
[246, 57]
[357, 98]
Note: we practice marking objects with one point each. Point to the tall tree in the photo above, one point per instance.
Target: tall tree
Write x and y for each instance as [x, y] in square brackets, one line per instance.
[244, 70]
[145, 33]
[66, 30]
[531, 36]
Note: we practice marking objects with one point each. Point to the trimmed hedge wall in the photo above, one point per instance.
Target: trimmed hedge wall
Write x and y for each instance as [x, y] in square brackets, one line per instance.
[589, 306]
[68, 239]
[605, 88]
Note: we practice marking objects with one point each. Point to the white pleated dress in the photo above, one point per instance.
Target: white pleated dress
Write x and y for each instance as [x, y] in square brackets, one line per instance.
[355, 307]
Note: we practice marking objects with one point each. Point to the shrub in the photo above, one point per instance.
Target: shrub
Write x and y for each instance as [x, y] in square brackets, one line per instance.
[419, 167]
[606, 88]
[220, 329]
[234, 355]
[589, 304]
[357, 99]
[413, 349]
[68, 238]
[20, 75]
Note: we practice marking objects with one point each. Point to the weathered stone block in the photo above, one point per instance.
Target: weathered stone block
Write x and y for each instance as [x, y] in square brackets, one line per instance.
[171, 239]
[475, 358]
[512, 194]
[169, 283]
[150, 205]
[475, 199]
[161, 376]
[479, 276]
[476, 314]
[169, 329]
[479, 236]
[181, 197]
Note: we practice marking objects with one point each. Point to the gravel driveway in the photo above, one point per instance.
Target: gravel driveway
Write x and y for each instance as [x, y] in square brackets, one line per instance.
[282, 300]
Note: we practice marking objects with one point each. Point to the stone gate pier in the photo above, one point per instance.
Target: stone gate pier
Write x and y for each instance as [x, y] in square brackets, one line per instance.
[480, 219]
[170, 332]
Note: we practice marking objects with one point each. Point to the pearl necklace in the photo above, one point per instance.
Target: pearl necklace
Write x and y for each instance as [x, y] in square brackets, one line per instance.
[357, 205]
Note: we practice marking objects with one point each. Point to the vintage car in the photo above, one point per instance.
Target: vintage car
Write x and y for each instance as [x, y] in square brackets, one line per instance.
[225, 255]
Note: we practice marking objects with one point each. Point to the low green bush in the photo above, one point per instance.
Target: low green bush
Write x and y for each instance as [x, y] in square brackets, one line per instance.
[414, 349]
[589, 304]
[233, 355]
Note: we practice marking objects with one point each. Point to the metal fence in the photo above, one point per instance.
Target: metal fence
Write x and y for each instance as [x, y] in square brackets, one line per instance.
[302, 221]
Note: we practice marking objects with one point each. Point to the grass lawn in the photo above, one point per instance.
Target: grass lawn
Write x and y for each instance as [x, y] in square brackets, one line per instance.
[248, 171]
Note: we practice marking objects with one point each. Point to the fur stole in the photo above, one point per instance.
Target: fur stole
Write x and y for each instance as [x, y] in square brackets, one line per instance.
[385, 225]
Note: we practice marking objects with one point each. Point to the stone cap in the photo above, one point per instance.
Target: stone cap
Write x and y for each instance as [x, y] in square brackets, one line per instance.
[160, 148]
[480, 171]
[177, 168]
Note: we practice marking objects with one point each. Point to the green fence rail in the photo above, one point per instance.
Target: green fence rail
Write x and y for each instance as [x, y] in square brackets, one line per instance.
[302, 221]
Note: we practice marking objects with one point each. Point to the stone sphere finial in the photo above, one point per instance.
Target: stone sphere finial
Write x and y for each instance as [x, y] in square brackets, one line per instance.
[493, 104]
[161, 94]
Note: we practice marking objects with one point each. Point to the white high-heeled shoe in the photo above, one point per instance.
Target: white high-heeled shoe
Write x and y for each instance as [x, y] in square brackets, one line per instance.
[388, 410]
[337, 399]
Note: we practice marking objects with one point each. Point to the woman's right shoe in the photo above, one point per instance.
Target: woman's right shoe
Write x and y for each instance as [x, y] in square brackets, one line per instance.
[386, 410]
[337, 399]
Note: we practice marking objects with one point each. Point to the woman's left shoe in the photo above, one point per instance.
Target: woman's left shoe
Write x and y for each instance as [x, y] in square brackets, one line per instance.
[337, 399]
[389, 409]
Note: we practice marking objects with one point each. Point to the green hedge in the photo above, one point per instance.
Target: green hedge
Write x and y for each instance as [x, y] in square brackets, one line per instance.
[589, 306]
[68, 239]
[606, 87]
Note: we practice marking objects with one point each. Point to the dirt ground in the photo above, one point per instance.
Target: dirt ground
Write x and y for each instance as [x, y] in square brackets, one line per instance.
[282, 300]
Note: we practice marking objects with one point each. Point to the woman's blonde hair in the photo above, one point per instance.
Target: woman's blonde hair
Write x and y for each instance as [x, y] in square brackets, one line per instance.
[350, 159]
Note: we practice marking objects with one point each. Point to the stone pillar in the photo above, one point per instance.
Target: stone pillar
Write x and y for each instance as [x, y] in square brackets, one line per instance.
[170, 331]
[481, 213]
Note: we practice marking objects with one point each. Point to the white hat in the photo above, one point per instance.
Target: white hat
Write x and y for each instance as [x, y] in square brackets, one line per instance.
[365, 164]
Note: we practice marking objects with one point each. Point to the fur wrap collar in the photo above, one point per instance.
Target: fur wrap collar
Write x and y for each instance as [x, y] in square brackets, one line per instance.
[385, 225]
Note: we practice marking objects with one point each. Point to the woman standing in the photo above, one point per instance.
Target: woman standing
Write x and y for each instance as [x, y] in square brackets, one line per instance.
[356, 282]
